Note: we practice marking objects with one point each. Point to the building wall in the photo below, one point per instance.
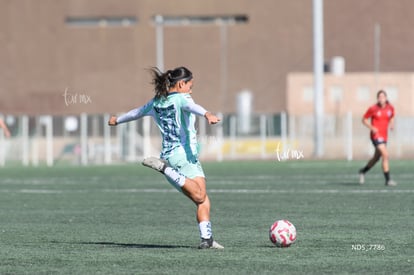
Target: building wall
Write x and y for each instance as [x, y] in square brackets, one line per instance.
[103, 69]
[352, 92]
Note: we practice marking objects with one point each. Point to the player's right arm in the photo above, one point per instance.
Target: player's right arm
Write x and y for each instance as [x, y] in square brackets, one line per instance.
[366, 120]
[134, 114]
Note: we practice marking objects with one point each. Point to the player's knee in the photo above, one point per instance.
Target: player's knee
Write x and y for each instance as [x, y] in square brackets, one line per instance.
[199, 197]
[201, 194]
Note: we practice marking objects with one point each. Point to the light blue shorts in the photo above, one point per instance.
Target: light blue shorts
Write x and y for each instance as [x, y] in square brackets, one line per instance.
[189, 166]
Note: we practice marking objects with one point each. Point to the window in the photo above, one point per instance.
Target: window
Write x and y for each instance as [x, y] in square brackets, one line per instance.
[307, 95]
[336, 93]
[363, 93]
[392, 93]
[101, 21]
[199, 20]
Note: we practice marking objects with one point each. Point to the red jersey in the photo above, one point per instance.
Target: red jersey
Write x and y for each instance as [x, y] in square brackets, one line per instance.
[380, 118]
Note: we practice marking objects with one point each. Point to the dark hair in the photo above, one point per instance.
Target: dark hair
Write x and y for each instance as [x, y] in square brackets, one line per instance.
[382, 92]
[164, 81]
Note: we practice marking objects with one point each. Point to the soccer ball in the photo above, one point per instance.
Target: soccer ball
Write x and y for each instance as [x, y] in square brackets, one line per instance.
[282, 233]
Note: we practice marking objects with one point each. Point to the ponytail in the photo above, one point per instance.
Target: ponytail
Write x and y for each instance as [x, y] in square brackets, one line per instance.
[163, 82]
[160, 82]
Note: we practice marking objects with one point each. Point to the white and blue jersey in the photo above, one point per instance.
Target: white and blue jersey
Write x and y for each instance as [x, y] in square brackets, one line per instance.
[175, 117]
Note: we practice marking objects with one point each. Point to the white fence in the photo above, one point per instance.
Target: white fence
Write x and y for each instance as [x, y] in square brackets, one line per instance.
[87, 139]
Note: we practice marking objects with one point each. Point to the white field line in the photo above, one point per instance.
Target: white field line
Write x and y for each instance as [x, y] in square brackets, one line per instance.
[231, 180]
[226, 191]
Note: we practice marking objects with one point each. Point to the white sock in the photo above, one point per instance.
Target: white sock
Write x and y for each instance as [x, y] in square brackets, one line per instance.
[175, 176]
[205, 230]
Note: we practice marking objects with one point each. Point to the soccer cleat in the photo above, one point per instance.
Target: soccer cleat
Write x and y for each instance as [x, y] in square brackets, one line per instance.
[390, 183]
[205, 243]
[155, 163]
[209, 243]
[216, 245]
[361, 177]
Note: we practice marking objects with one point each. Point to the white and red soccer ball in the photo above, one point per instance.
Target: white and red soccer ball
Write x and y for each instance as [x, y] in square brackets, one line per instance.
[282, 233]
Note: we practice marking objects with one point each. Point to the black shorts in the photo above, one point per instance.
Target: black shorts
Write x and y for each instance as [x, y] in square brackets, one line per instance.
[377, 142]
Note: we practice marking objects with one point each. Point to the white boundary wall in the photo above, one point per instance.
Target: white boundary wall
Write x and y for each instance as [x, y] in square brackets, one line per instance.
[34, 141]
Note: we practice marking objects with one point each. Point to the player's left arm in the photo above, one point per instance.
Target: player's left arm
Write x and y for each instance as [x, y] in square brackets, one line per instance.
[199, 110]
[211, 118]
[391, 124]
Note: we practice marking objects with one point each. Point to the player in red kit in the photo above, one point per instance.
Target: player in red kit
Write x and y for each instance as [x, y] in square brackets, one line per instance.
[382, 118]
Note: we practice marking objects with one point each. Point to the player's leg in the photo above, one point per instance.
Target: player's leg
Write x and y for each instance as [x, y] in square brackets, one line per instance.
[194, 187]
[382, 148]
[372, 161]
[369, 165]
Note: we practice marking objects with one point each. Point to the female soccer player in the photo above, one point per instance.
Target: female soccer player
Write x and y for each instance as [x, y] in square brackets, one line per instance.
[174, 112]
[382, 117]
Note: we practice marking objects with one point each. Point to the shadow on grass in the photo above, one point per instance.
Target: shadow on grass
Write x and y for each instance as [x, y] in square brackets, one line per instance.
[135, 245]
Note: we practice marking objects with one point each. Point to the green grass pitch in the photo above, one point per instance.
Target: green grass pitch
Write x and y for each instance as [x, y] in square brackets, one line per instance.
[128, 220]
